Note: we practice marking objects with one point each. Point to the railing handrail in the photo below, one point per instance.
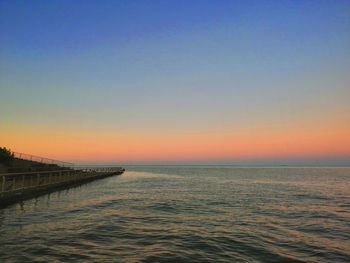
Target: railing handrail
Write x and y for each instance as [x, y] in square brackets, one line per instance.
[104, 169]
[29, 157]
[41, 172]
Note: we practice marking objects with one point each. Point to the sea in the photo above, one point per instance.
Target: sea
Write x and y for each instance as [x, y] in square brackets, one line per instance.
[187, 214]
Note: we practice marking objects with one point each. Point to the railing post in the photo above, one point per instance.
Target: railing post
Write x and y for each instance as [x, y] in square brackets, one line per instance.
[50, 177]
[3, 183]
[22, 181]
[38, 178]
[14, 183]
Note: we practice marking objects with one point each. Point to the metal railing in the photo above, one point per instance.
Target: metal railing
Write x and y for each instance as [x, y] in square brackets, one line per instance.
[13, 182]
[39, 159]
[105, 169]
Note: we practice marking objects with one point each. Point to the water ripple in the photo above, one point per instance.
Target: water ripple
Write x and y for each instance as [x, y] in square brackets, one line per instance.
[187, 214]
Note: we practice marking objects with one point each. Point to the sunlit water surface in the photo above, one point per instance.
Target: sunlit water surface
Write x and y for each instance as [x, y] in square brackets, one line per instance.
[187, 214]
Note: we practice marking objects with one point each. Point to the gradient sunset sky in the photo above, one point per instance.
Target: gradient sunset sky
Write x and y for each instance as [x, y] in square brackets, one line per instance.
[234, 82]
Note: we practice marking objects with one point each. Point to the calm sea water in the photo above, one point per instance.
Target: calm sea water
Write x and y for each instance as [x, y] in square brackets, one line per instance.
[187, 214]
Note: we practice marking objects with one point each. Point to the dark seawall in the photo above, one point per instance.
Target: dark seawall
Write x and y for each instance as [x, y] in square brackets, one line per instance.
[15, 187]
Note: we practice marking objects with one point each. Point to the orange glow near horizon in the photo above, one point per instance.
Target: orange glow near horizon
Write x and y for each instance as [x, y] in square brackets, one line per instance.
[240, 144]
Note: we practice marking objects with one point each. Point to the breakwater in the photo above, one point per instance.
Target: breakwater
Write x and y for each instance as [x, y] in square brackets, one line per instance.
[19, 186]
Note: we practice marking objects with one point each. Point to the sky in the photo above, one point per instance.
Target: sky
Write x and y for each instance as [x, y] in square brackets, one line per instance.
[226, 82]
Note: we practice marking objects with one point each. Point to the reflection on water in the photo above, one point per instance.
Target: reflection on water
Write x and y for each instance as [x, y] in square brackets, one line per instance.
[187, 214]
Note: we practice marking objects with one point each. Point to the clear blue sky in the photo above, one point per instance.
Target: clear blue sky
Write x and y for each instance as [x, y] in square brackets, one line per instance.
[175, 67]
